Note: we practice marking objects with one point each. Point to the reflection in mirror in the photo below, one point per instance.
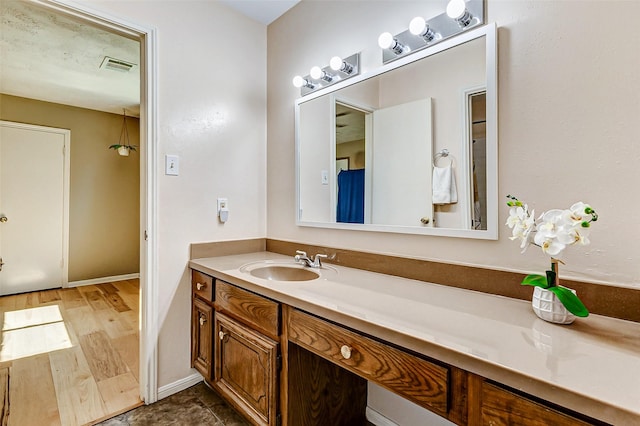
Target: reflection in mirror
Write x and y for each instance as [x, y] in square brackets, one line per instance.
[366, 149]
[350, 163]
[477, 103]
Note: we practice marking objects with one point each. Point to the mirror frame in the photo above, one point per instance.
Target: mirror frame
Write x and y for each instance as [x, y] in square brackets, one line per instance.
[491, 61]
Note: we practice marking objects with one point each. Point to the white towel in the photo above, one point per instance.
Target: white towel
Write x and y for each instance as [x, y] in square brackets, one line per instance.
[444, 186]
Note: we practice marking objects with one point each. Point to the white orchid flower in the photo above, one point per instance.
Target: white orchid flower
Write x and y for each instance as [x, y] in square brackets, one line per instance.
[547, 232]
[522, 224]
[581, 210]
[551, 221]
[550, 246]
[575, 234]
[516, 215]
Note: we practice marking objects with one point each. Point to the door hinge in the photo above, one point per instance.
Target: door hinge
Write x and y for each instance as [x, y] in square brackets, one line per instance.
[146, 236]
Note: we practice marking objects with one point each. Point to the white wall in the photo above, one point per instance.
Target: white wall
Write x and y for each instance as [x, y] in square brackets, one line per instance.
[569, 103]
[211, 112]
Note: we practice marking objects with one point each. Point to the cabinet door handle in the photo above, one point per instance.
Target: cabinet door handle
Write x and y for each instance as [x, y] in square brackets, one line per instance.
[203, 319]
[345, 351]
[222, 335]
[200, 286]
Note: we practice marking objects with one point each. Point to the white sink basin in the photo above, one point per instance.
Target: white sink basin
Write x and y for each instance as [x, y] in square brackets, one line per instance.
[285, 271]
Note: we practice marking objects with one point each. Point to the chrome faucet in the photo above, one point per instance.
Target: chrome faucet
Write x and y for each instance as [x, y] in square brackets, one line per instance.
[315, 262]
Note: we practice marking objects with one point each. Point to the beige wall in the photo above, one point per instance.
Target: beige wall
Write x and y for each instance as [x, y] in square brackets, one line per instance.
[354, 150]
[569, 104]
[211, 112]
[104, 195]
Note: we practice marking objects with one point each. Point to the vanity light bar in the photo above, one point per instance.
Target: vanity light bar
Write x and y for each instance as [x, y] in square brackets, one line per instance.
[460, 16]
[339, 69]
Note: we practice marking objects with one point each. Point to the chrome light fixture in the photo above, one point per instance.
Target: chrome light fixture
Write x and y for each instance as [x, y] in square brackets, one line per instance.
[338, 70]
[460, 16]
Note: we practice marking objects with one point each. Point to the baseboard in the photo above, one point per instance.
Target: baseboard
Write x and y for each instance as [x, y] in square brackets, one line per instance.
[377, 418]
[179, 385]
[103, 280]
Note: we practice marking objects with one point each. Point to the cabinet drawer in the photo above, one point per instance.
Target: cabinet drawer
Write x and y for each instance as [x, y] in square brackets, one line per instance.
[260, 313]
[202, 285]
[502, 407]
[414, 378]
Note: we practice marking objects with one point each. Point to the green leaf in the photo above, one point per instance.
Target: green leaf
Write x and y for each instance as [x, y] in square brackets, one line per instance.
[535, 280]
[570, 301]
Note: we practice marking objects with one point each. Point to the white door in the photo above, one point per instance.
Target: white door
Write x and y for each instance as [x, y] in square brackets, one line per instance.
[34, 189]
[401, 163]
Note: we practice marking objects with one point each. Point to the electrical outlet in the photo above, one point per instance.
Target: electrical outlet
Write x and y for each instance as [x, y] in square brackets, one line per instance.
[172, 165]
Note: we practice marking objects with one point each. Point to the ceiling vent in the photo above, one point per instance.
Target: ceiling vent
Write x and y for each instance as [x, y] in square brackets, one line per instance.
[114, 64]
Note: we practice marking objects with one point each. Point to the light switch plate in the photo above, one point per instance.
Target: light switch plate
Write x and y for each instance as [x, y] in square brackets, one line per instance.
[172, 165]
[324, 177]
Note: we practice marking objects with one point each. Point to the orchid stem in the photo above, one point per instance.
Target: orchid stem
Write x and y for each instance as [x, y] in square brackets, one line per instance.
[554, 268]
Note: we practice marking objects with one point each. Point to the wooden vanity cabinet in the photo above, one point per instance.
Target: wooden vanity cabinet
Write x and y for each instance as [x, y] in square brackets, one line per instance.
[234, 345]
[264, 357]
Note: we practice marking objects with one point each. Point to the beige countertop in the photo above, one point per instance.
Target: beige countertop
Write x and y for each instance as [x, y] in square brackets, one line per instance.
[591, 366]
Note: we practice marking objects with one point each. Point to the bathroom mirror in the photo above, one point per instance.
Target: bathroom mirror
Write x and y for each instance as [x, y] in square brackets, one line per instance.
[410, 147]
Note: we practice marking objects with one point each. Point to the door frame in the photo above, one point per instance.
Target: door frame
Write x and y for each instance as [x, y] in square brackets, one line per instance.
[148, 180]
[66, 185]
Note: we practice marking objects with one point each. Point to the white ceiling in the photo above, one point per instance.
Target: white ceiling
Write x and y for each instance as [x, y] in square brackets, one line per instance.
[265, 11]
[55, 58]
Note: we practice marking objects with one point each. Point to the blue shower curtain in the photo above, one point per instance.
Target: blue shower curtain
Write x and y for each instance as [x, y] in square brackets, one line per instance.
[351, 196]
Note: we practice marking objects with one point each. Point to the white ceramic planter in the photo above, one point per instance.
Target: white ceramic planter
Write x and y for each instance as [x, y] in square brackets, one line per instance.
[548, 307]
[124, 151]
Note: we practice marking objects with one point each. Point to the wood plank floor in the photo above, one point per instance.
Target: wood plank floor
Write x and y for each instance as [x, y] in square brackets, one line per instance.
[69, 357]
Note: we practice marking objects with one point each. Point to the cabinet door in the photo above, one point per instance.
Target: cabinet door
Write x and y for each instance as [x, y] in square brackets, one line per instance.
[201, 341]
[246, 370]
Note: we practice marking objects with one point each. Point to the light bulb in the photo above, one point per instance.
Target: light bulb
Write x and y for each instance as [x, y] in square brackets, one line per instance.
[417, 25]
[335, 63]
[385, 40]
[299, 81]
[456, 9]
[316, 73]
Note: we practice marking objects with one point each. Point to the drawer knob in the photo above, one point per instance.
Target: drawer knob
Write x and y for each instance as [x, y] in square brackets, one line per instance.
[203, 319]
[200, 286]
[345, 351]
[222, 335]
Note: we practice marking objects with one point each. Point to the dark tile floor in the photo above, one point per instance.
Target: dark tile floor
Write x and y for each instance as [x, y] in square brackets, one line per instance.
[195, 406]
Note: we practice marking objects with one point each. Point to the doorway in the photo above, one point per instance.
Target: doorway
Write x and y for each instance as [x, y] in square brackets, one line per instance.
[148, 186]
